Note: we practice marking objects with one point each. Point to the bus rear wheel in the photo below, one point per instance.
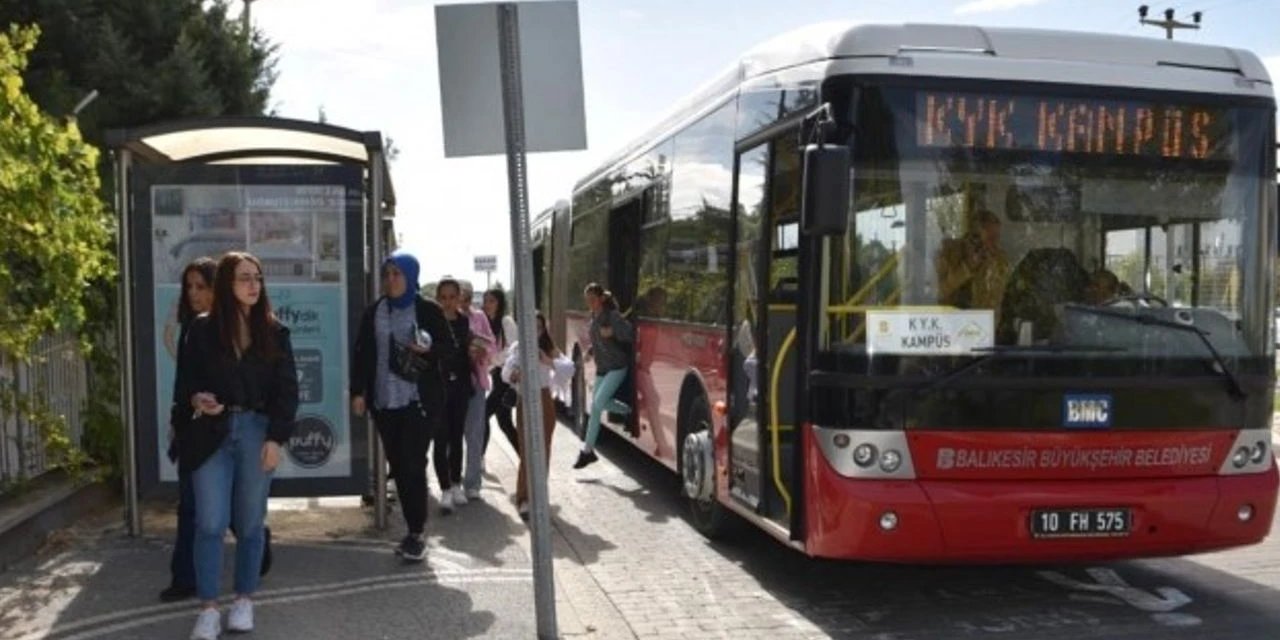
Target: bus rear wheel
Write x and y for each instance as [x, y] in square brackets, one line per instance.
[697, 471]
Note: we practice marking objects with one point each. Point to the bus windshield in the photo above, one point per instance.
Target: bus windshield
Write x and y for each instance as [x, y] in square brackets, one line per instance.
[991, 218]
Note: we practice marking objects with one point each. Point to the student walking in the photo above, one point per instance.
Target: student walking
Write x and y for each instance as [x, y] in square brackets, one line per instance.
[238, 375]
[500, 393]
[611, 338]
[456, 368]
[395, 373]
[554, 369]
[196, 298]
[483, 352]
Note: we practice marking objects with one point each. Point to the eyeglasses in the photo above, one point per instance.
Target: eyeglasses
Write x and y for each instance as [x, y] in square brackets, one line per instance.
[248, 278]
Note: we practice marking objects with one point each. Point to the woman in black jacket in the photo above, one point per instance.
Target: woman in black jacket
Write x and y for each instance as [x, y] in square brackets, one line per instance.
[455, 367]
[196, 298]
[238, 376]
[407, 408]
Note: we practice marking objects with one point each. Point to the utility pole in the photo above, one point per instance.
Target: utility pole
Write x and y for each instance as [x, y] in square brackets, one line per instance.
[245, 24]
[1169, 24]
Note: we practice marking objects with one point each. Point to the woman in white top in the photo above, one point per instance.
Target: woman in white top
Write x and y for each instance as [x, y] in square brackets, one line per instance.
[554, 369]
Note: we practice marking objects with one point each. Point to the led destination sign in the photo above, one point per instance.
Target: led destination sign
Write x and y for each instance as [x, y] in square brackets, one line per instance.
[1072, 125]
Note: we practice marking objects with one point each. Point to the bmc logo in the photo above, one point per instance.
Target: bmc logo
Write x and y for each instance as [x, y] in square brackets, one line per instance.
[1086, 411]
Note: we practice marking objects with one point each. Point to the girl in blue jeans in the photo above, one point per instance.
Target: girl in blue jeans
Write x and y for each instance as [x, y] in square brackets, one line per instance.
[237, 374]
[196, 298]
[611, 339]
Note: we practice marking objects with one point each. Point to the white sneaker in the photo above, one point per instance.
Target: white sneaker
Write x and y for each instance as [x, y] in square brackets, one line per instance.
[240, 620]
[473, 494]
[459, 498]
[208, 625]
[446, 501]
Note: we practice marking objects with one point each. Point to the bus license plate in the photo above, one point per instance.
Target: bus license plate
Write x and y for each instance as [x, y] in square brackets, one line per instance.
[1080, 523]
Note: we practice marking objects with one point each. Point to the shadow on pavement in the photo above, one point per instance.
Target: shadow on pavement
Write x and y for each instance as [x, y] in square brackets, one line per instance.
[1229, 595]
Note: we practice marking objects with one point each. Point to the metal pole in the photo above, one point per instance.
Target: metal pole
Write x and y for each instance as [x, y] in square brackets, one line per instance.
[377, 456]
[535, 457]
[246, 23]
[124, 335]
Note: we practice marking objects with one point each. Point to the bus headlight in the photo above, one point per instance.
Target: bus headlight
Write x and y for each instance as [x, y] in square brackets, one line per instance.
[890, 461]
[1260, 450]
[864, 455]
[1241, 457]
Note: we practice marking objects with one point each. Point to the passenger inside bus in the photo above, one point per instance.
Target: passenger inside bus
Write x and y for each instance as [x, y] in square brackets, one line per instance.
[973, 270]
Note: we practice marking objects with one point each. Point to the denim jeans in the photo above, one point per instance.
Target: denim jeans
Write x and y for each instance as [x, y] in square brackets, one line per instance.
[474, 434]
[606, 385]
[233, 473]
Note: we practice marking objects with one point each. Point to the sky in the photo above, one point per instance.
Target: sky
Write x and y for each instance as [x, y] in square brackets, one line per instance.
[371, 65]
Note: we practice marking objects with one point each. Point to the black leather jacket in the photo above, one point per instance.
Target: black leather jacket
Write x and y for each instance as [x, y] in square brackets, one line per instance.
[251, 383]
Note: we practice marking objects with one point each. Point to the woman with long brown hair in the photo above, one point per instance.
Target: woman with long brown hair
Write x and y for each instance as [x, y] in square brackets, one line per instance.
[554, 370]
[238, 375]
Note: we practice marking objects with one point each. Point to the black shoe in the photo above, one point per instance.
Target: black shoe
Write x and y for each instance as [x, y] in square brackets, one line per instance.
[585, 458]
[412, 549]
[266, 552]
[175, 593]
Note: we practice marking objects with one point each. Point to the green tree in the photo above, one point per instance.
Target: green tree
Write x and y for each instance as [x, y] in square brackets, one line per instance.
[56, 230]
[151, 61]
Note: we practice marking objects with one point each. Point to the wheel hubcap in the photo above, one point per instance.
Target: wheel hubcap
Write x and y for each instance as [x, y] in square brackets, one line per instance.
[697, 466]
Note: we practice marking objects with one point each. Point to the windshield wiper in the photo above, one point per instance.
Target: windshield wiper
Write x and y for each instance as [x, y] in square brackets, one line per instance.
[1233, 383]
[992, 353]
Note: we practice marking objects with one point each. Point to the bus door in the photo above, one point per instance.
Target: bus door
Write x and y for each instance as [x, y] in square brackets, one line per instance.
[766, 290]
[624, 281]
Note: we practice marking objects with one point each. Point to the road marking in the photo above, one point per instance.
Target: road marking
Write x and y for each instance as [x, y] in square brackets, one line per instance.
[37, 603]
[155, 613]
[1161, 603]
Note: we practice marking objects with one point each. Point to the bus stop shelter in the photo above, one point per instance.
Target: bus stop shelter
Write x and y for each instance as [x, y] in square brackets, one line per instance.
[315, 203]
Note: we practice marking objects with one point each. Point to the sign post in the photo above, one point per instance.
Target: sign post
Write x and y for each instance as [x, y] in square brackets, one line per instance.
[487, 264]
[544, 596]
[540, 82]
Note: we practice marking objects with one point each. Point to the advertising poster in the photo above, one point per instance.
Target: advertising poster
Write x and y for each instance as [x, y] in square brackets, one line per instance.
[296, 231]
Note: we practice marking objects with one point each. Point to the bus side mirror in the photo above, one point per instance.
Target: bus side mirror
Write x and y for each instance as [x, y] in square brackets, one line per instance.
[824, 204]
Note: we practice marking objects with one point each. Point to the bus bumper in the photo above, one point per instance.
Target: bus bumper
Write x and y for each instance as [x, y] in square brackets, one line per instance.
[948, 521]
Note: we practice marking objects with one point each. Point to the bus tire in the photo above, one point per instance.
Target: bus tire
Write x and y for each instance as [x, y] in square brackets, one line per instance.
[696, 452]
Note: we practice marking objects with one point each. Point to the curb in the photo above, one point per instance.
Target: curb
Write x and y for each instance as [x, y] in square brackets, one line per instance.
[55, 502]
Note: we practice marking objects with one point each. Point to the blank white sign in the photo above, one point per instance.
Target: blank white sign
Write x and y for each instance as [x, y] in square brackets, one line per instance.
[471, 84]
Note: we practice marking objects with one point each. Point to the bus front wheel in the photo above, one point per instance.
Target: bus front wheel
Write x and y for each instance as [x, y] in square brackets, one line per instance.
[697, 470]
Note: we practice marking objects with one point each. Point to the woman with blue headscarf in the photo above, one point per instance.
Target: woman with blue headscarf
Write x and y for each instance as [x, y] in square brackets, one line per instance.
[396, 375]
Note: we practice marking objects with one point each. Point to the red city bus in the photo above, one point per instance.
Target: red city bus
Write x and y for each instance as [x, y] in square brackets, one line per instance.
[1032, 324]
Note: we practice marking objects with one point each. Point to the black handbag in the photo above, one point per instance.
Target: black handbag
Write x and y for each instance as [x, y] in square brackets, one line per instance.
[404, 362]
[509, 398]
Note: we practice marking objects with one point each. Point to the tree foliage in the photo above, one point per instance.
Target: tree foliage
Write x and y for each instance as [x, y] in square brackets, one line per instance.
[56, 231]
[151, 60]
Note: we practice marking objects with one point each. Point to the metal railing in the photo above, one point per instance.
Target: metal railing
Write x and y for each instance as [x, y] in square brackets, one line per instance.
[57, 375]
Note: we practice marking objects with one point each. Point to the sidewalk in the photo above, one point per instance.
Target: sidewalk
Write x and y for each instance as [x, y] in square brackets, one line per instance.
[334, 575]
